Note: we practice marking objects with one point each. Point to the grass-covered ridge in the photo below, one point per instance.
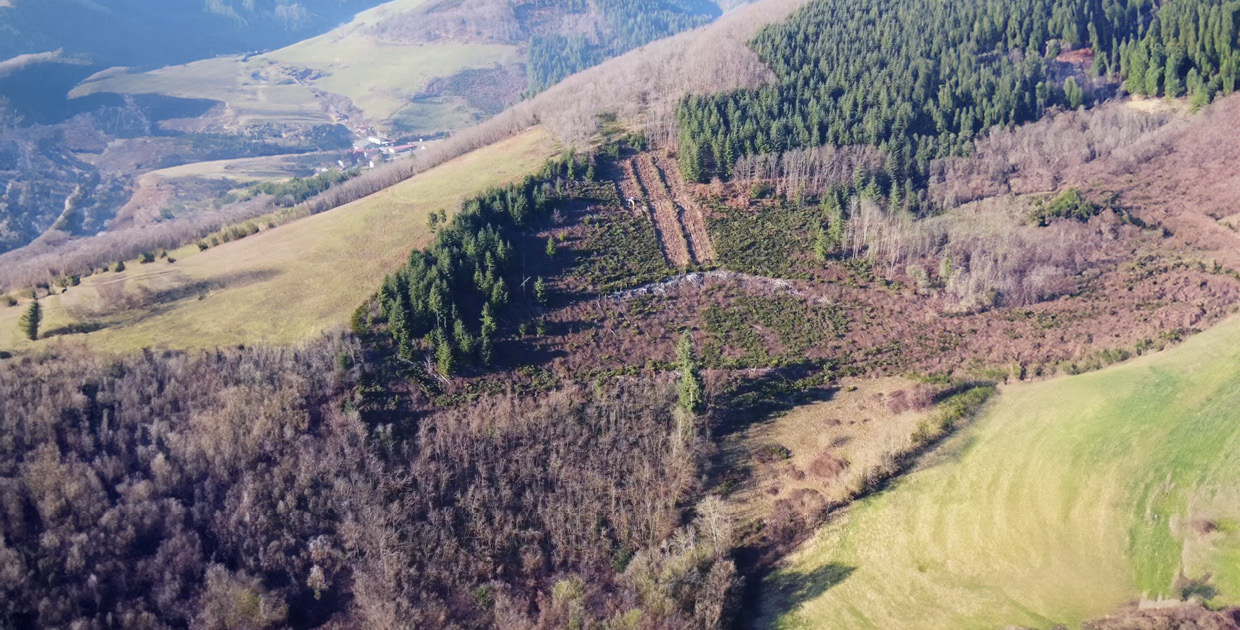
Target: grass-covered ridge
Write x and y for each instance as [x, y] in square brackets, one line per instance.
[1067, 499]
[281, 285]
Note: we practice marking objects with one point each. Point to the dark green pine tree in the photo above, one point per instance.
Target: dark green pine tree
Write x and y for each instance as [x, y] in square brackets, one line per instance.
[29, 324]
[691, 396]
[540, 291]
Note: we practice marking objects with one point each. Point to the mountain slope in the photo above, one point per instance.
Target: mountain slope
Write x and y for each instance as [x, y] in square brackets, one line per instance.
[1066, 500]
[136, 32]
[283, 285]
[421, 66]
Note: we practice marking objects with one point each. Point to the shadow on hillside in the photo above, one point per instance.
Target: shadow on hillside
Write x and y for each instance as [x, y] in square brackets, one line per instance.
[72, 329]
[760, 398]
[126, 308]
[793, 590]
[202, 287]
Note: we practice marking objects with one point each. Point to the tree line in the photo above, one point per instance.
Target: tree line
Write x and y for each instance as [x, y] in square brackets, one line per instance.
[1190, 47]
[451, 298]
[917, 78]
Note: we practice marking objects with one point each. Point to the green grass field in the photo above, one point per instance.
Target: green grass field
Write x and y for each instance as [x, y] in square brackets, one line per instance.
[1066, 500]
[379, 78]
[281, 285]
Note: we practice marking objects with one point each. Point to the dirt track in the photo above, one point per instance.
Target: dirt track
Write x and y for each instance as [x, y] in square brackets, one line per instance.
[662, 211]
[691, 216]
[677, 218]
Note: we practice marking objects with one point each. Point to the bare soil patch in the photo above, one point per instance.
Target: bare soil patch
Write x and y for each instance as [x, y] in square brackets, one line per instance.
[1172, 617]
[663, 212]
[689, 211]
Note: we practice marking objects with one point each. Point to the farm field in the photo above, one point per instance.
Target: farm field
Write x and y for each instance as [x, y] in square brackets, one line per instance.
[245, 170]
[288, 86]
[281, 285]
[1064, 501]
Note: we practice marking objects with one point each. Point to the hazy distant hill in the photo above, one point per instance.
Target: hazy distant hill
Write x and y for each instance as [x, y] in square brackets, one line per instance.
[419, 67]
[140, 32]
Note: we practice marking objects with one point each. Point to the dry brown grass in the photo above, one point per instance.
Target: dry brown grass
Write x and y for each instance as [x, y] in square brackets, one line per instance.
[832, 450]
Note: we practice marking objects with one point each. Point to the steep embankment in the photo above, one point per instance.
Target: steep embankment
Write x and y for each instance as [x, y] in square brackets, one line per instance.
[1066, 500]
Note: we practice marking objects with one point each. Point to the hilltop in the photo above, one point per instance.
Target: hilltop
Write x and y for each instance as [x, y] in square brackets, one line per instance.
[848, 313]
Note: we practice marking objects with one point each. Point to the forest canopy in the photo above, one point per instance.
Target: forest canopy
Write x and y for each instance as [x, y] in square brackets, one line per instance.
[922, 79]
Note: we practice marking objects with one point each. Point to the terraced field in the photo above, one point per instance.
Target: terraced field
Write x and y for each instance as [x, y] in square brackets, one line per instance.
[281, 285]
[1066, 500]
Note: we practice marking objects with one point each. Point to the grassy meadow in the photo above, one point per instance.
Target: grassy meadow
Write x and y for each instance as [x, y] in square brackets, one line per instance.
[281, 285]
[1064, 501]
[379, 78]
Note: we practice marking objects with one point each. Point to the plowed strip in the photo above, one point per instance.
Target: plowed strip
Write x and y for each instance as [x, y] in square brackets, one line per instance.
[691, 216]
[631, 192]
[664, 213]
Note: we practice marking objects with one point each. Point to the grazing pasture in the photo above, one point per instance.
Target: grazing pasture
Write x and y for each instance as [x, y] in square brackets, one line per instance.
[1065, 500]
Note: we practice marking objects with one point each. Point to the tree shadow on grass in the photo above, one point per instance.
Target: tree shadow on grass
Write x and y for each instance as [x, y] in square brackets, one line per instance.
[81, 328]
[792, 590]
[763, 397]
[144, 303]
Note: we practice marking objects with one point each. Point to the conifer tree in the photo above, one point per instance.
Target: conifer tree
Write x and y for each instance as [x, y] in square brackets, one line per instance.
[489, 325]
[1072, 93]
[445, 354]
[540, 291]
[691, 397]
[29, 324]
[822, 248]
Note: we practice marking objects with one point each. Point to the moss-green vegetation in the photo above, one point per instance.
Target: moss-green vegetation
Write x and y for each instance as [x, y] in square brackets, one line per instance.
[772, 241]
[1067, 499]
[1068, 205]
[768, 330]
[622, 251]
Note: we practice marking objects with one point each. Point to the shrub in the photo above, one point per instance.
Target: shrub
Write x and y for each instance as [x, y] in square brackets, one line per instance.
[1069, 205]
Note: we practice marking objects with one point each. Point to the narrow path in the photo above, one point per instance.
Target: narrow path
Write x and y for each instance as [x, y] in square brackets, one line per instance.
[630, 191]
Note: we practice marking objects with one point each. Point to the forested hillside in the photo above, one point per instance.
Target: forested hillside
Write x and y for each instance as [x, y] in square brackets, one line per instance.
[628, 24]
[278, 489]
[615, 391]
[921, 79]
[1191, 48]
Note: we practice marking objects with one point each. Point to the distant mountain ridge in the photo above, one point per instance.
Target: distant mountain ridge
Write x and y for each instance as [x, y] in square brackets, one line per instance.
[140, 32]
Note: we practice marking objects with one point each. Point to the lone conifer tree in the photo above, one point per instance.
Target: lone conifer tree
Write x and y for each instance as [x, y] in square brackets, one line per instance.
[30, 321]
[540, 291]
[690, 382]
